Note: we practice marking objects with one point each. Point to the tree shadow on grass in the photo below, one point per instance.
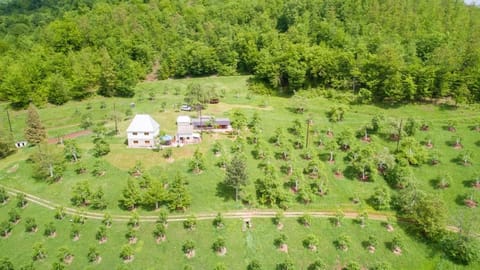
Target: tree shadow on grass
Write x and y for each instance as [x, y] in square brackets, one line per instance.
[350, 173]
[224, 191]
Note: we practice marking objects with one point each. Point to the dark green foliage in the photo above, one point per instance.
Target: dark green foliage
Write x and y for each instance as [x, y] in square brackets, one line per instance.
[5, 228]
[30, 224]
[81, 194]
[286, 265]
[236, 174]
[380, 199]
[13, 215]
[48, 164]
[197, 163]
[6, 144]
[188, 246]
[101, 147]
[219, 221]
[39, 252]
[101, 233]
[190, 223]
[50, 229]
[219, 244]
[254, 265]
[131, 195]
[317, 265]
[21, 200]
[35, 133]
[93, 254]
[178, 196]
[3, 195]
[461, 248]
[126, 252]
[6, 264]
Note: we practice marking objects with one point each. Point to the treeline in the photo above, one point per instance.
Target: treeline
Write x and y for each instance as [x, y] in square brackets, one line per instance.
[386, 50]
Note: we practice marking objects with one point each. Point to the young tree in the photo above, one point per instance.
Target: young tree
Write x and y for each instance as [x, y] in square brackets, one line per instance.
[13, 216]
[219, 246]
[343, 242]
[60, 213]
[50, 230]
[254, 265]
[131, 195]
[39, 252]
[190, 223]
[286, 265]
[311, 242]
[101, 234]
[107, 220]
[159, 232]
[75, 232]
[101, 147]
[5, 228]
[127, 253]
[21, 200]
[134, 221]
[98, 199]
[131, 235]
[218, 221]
[65, 255]
[30, 225]
[6, 264]
[305, 220]
[71, 150]
[239, 121]
[236, 175]
[93, 255]
[48, 163]
[3, 195]
[189, 248]
[155, 194]
[163, 217]
[35, 133]
[178, 195]
[372, 243]
[81, 194]
[317, 265]
[380, 199]
[197, 163]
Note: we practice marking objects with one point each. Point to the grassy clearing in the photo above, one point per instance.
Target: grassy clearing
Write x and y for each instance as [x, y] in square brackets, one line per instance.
[242, 246]
[205, 188]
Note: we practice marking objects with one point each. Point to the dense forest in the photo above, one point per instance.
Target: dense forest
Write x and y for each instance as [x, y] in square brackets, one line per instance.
[384, 50]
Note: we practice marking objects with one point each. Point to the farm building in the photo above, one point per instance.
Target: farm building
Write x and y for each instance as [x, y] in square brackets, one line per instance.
[210, 122]
[142, 131]
[185, 132]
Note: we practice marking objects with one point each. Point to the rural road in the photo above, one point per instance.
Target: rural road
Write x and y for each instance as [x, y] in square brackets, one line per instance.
[240, 214]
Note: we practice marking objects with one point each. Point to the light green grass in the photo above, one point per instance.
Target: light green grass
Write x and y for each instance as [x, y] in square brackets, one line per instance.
[16, 172]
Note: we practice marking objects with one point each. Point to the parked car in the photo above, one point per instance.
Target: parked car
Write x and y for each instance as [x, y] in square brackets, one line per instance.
[185, 107]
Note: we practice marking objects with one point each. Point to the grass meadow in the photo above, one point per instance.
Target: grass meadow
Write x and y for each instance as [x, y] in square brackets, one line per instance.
[208, 195]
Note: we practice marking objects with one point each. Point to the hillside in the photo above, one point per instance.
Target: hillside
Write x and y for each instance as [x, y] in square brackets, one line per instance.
[391, 51]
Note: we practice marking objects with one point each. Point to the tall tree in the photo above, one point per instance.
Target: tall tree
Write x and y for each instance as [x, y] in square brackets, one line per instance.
[35, 133]
[236, 174]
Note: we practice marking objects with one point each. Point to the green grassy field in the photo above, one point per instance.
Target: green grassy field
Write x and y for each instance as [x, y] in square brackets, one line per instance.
[16, 172]
[242, 246]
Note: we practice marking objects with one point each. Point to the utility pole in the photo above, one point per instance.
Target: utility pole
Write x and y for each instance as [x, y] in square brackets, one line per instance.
[9, 122]
[115, 117]
[399, 133]
[309, 122]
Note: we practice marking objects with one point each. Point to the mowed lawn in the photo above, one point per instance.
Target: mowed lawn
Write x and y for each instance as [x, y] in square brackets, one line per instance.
[209, 195]
[242, 245]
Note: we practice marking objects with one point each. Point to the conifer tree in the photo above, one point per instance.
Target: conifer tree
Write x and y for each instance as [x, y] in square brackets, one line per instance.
[35, 133]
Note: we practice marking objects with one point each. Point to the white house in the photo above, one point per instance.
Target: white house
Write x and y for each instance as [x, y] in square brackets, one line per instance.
[142, 131]
[184, 128]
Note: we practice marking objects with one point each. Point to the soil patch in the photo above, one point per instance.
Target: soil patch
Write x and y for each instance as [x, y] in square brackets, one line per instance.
[69, 136]
[283, 248]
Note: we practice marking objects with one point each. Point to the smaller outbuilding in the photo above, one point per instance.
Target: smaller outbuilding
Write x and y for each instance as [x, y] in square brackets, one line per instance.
[142, 131]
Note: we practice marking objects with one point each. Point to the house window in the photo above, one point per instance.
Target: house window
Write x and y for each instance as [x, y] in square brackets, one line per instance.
[146, 133]
[147, 142]
[134, 133]
[135, 142]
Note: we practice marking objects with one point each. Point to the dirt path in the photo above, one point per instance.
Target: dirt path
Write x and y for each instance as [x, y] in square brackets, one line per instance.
[240, 214]
[70, 136]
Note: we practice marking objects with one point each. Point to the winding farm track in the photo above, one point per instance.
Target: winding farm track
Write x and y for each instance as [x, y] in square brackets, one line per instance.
[240, 214]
